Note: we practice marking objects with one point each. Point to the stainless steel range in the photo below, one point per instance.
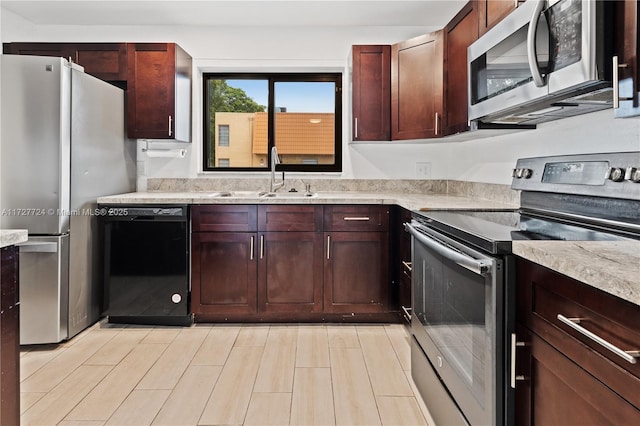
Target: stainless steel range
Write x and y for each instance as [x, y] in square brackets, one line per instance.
[464, 275]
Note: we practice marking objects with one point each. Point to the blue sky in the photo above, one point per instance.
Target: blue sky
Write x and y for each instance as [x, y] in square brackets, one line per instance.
[295, 96]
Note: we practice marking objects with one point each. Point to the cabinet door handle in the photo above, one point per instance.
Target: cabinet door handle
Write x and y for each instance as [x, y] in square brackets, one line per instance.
[251, 248]
[356, 128]
[629, 356]
[261, 246]
[514, 345]
[328, 247]
[170, 122]
[407, 313]
[437, 124]
[616, 84]
[356, 218]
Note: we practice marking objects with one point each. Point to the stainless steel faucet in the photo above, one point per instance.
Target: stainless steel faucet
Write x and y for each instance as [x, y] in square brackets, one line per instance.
[275, 160]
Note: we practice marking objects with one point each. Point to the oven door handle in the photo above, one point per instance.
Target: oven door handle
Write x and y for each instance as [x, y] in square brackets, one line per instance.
[478, 266]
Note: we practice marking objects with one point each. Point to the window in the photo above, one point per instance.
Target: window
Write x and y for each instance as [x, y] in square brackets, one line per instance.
[223, 135]
[299, 114]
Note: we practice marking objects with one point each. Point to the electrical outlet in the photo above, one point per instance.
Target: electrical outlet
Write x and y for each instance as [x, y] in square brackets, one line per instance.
[423, 170]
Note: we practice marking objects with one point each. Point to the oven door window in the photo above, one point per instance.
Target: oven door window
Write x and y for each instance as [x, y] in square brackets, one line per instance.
[455, 310]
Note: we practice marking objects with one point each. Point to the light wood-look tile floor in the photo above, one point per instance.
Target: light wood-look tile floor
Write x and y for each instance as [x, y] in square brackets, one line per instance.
[214, 374]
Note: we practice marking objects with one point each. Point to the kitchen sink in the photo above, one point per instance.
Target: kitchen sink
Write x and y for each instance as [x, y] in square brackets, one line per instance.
[288, 195]
[260, 194]
[236, 194]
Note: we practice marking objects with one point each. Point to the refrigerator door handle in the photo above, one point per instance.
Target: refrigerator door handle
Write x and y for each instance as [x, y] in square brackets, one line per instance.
[45, 247]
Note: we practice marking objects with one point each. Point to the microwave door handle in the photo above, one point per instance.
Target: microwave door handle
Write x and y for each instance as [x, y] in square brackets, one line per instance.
[531, 44]
[480, 267]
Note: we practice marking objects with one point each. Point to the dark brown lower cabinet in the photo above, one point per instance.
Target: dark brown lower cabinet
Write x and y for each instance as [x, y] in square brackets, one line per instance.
[564, 376]
[275, 263]
[290, 272]
[355, 272]
[9, 338]
[224, 273]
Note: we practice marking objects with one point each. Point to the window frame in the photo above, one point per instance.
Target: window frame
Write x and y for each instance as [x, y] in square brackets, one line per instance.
[273, 78]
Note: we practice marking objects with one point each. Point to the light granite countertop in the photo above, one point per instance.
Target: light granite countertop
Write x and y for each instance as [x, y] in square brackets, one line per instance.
[9, 237]
[611, 266]
[408, 201]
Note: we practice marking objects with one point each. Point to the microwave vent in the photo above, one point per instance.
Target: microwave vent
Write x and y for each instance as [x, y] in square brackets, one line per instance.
[603, 95]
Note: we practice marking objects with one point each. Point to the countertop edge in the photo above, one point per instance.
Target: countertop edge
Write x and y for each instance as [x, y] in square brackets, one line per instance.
[610, 266]
[10, 237]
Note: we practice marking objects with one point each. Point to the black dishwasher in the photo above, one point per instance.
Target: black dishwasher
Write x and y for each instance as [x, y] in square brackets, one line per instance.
[146, 264]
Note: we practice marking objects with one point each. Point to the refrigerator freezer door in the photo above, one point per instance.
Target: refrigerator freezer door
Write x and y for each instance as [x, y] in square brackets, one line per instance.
[43, 289]
[102, 163]
[35, 169]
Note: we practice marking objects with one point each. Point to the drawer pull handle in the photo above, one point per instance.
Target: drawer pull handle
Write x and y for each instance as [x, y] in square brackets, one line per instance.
[629, 356]
[407, 265]
[356, 218]
[251, 249]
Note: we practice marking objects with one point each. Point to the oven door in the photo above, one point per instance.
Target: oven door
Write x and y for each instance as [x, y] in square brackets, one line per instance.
[456, 295]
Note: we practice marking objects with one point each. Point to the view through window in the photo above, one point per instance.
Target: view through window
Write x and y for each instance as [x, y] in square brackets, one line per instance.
[247, 114]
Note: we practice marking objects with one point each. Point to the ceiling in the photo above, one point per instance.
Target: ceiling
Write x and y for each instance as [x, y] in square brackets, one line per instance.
[312, 13]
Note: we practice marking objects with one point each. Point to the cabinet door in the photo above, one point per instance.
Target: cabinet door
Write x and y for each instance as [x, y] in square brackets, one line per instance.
[62, 50]
[290, 272]
[223, 273]
[628, 52]
[355, 272]
[556, 391]
[107, 61]
[371, 93]
[417, 87]
[494, 11]
[9, 337]
[459, 34]
[151, 90]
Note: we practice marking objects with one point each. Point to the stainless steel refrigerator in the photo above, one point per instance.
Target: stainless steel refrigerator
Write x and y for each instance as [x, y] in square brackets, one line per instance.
[63, 145]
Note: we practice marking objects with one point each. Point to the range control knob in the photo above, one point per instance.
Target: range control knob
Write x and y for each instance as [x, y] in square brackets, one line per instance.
[526, 173]
[616, 174]
[633, 174]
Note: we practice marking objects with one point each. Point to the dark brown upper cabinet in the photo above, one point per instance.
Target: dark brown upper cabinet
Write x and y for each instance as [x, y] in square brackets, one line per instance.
[159, 92]
[371, 92]
[417, 87]
[459, 34]
[490, 12]
[106, 61]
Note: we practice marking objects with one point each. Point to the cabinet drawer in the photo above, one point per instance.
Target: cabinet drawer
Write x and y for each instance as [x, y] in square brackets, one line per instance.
[356, 218]
[289, 218]
[547, 301]
[224, 218]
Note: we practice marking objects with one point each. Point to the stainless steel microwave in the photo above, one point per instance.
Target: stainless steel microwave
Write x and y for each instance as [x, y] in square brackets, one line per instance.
[546, 60]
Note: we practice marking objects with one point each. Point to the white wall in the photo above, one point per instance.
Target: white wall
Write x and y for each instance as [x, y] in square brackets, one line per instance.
[304, 49]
